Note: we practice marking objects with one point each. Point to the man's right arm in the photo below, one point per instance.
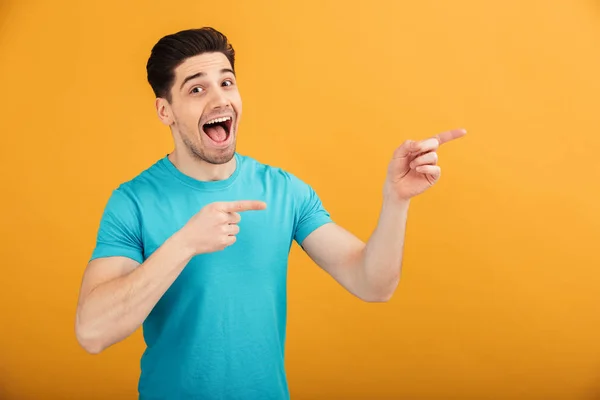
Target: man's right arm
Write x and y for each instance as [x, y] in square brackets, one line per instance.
[118, 293]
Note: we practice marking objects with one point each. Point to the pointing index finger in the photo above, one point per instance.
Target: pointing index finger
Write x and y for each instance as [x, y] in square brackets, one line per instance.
[243, 205]
[447, 136]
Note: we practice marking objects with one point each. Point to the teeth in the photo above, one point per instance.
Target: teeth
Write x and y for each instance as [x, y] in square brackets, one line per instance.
[216, 120]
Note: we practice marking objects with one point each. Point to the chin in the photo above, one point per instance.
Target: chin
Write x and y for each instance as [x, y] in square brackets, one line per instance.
[220, 157]
[214, 156]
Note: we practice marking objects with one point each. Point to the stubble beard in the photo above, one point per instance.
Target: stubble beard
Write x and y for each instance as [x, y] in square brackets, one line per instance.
[213, 156]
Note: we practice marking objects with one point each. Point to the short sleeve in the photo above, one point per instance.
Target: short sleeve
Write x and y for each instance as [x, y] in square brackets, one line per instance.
[119, 233]
[310, 212]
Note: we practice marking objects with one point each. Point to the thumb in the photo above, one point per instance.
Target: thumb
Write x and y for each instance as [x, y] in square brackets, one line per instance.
[405, 149]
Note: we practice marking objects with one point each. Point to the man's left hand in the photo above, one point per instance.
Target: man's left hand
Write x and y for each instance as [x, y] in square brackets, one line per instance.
[413, 168]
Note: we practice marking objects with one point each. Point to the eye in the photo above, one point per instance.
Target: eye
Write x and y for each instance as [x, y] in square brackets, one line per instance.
[228, 82]
[196, 89]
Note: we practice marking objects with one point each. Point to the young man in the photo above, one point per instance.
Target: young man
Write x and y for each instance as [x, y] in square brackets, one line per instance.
[195, 248]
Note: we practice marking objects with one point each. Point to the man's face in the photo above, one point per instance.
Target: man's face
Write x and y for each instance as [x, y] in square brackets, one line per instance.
[206, 107]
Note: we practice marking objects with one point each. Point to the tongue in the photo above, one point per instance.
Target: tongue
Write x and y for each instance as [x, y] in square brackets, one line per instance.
[216, 133]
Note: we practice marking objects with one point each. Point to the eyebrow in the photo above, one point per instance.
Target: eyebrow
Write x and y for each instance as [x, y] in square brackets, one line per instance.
[201, 74]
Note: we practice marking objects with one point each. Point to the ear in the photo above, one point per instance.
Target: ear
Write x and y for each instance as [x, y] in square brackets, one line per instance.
[164, 112]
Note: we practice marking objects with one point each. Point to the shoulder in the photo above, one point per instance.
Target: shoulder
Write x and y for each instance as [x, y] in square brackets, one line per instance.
[130, 194]
[272, 173]
[149, 181]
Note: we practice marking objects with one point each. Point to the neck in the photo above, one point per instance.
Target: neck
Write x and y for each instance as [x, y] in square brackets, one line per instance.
[201, 170]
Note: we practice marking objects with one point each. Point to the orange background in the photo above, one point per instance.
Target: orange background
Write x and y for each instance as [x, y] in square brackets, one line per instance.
[500, 293]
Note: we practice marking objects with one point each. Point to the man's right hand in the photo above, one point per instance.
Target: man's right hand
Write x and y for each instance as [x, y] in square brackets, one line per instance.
[215, 226]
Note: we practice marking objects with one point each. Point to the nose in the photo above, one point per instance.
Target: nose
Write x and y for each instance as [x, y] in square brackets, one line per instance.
[219, 99]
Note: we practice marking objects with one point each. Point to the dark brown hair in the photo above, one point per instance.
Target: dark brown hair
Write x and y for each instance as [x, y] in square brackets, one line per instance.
[172, 50]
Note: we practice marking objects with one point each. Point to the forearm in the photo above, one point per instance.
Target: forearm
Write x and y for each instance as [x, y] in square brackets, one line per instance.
[114, 310]
[381, 260]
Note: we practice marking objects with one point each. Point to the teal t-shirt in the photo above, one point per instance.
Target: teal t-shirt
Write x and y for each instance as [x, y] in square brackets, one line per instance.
[219, 331]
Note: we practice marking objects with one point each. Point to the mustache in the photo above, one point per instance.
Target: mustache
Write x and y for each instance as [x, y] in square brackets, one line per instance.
[207, 117]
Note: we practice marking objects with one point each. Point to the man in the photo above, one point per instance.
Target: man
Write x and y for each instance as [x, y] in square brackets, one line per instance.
[195, 248]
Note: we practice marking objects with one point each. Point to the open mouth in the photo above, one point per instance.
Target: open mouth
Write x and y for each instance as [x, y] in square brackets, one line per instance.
[218, 129]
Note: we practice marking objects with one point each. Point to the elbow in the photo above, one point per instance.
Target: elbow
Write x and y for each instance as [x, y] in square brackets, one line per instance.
[92, 347]
[87, 340]
[378, 297]
[381, 294]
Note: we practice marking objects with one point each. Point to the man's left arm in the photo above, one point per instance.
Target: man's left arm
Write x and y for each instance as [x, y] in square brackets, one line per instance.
[371, 271]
